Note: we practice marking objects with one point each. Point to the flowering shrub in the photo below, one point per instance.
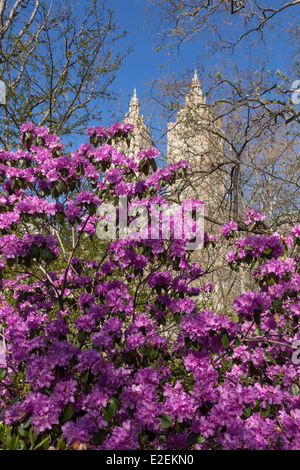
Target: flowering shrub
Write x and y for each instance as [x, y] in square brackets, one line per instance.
[106, 344]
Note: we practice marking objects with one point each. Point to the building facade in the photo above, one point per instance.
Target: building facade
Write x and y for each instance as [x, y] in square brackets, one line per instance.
[196, 136]
[142, 135]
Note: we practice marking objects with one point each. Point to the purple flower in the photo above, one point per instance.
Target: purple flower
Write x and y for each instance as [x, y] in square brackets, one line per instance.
[123, 189]
[72, 210]
[114, 175]
[111, 330]
[120, 127]
[89, 359]
[123, 437]
[39, 373]
[278, 267]
[99, 131]
[75, 432]
[295, 231]
[228, 228]
[247, 303]
[253, 216]
[149, 154]
[179, 405]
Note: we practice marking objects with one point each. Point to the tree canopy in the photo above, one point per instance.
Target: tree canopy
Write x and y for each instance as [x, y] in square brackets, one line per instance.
[58, 62]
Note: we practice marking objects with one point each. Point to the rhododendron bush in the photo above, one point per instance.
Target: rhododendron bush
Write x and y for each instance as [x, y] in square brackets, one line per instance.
[108, 344]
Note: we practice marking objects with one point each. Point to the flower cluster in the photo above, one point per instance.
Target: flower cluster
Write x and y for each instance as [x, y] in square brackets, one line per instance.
[228, 228]
[108, 344]
[253, 216]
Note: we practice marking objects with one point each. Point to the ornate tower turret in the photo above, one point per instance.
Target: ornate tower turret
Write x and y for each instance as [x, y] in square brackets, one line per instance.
[195, 98]
[142, 136]
[194, 136]
[134, 108]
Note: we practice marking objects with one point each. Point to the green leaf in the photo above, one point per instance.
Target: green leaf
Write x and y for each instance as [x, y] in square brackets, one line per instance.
[152, 190]
[60, 187]
[60, 218]
[34, 251]
[140, 249]
[248, 247]
[22, 444]
[32, 436]
[26, 423]
[247, 411]
[252, 226]
[295, 390]
[201, 439]
[15, 379]
[68, 411]
[195, 345]
[277, 305]
[98, 437]
[192, 439]
[179, 427]
[264, 412]
[256, 316]
[22, 431]
[81, 335]
[270, 359]
[114, 403]
[166, 421]
[225, 340]
[145, 168]
[143, 350]
[108, 413]
[177, 317]
[85, 376]
[152, 354]
[43, 443]
[153, 165]
[13, 443]
[47, 254]
[268, 251]
[61, 445]
[92, 208]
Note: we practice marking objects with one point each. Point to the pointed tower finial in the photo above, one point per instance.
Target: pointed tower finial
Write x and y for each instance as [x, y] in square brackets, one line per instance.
[134, 106]
[195, 95]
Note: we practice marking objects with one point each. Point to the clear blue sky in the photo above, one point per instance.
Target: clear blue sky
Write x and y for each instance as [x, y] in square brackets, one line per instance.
[143, 63]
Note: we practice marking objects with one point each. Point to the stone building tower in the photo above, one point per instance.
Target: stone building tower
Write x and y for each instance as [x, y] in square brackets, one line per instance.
[195, 136]
[142, 136]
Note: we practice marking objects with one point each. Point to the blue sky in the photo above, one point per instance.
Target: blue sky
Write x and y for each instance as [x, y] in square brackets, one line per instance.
[139, 66]
[143, 63]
